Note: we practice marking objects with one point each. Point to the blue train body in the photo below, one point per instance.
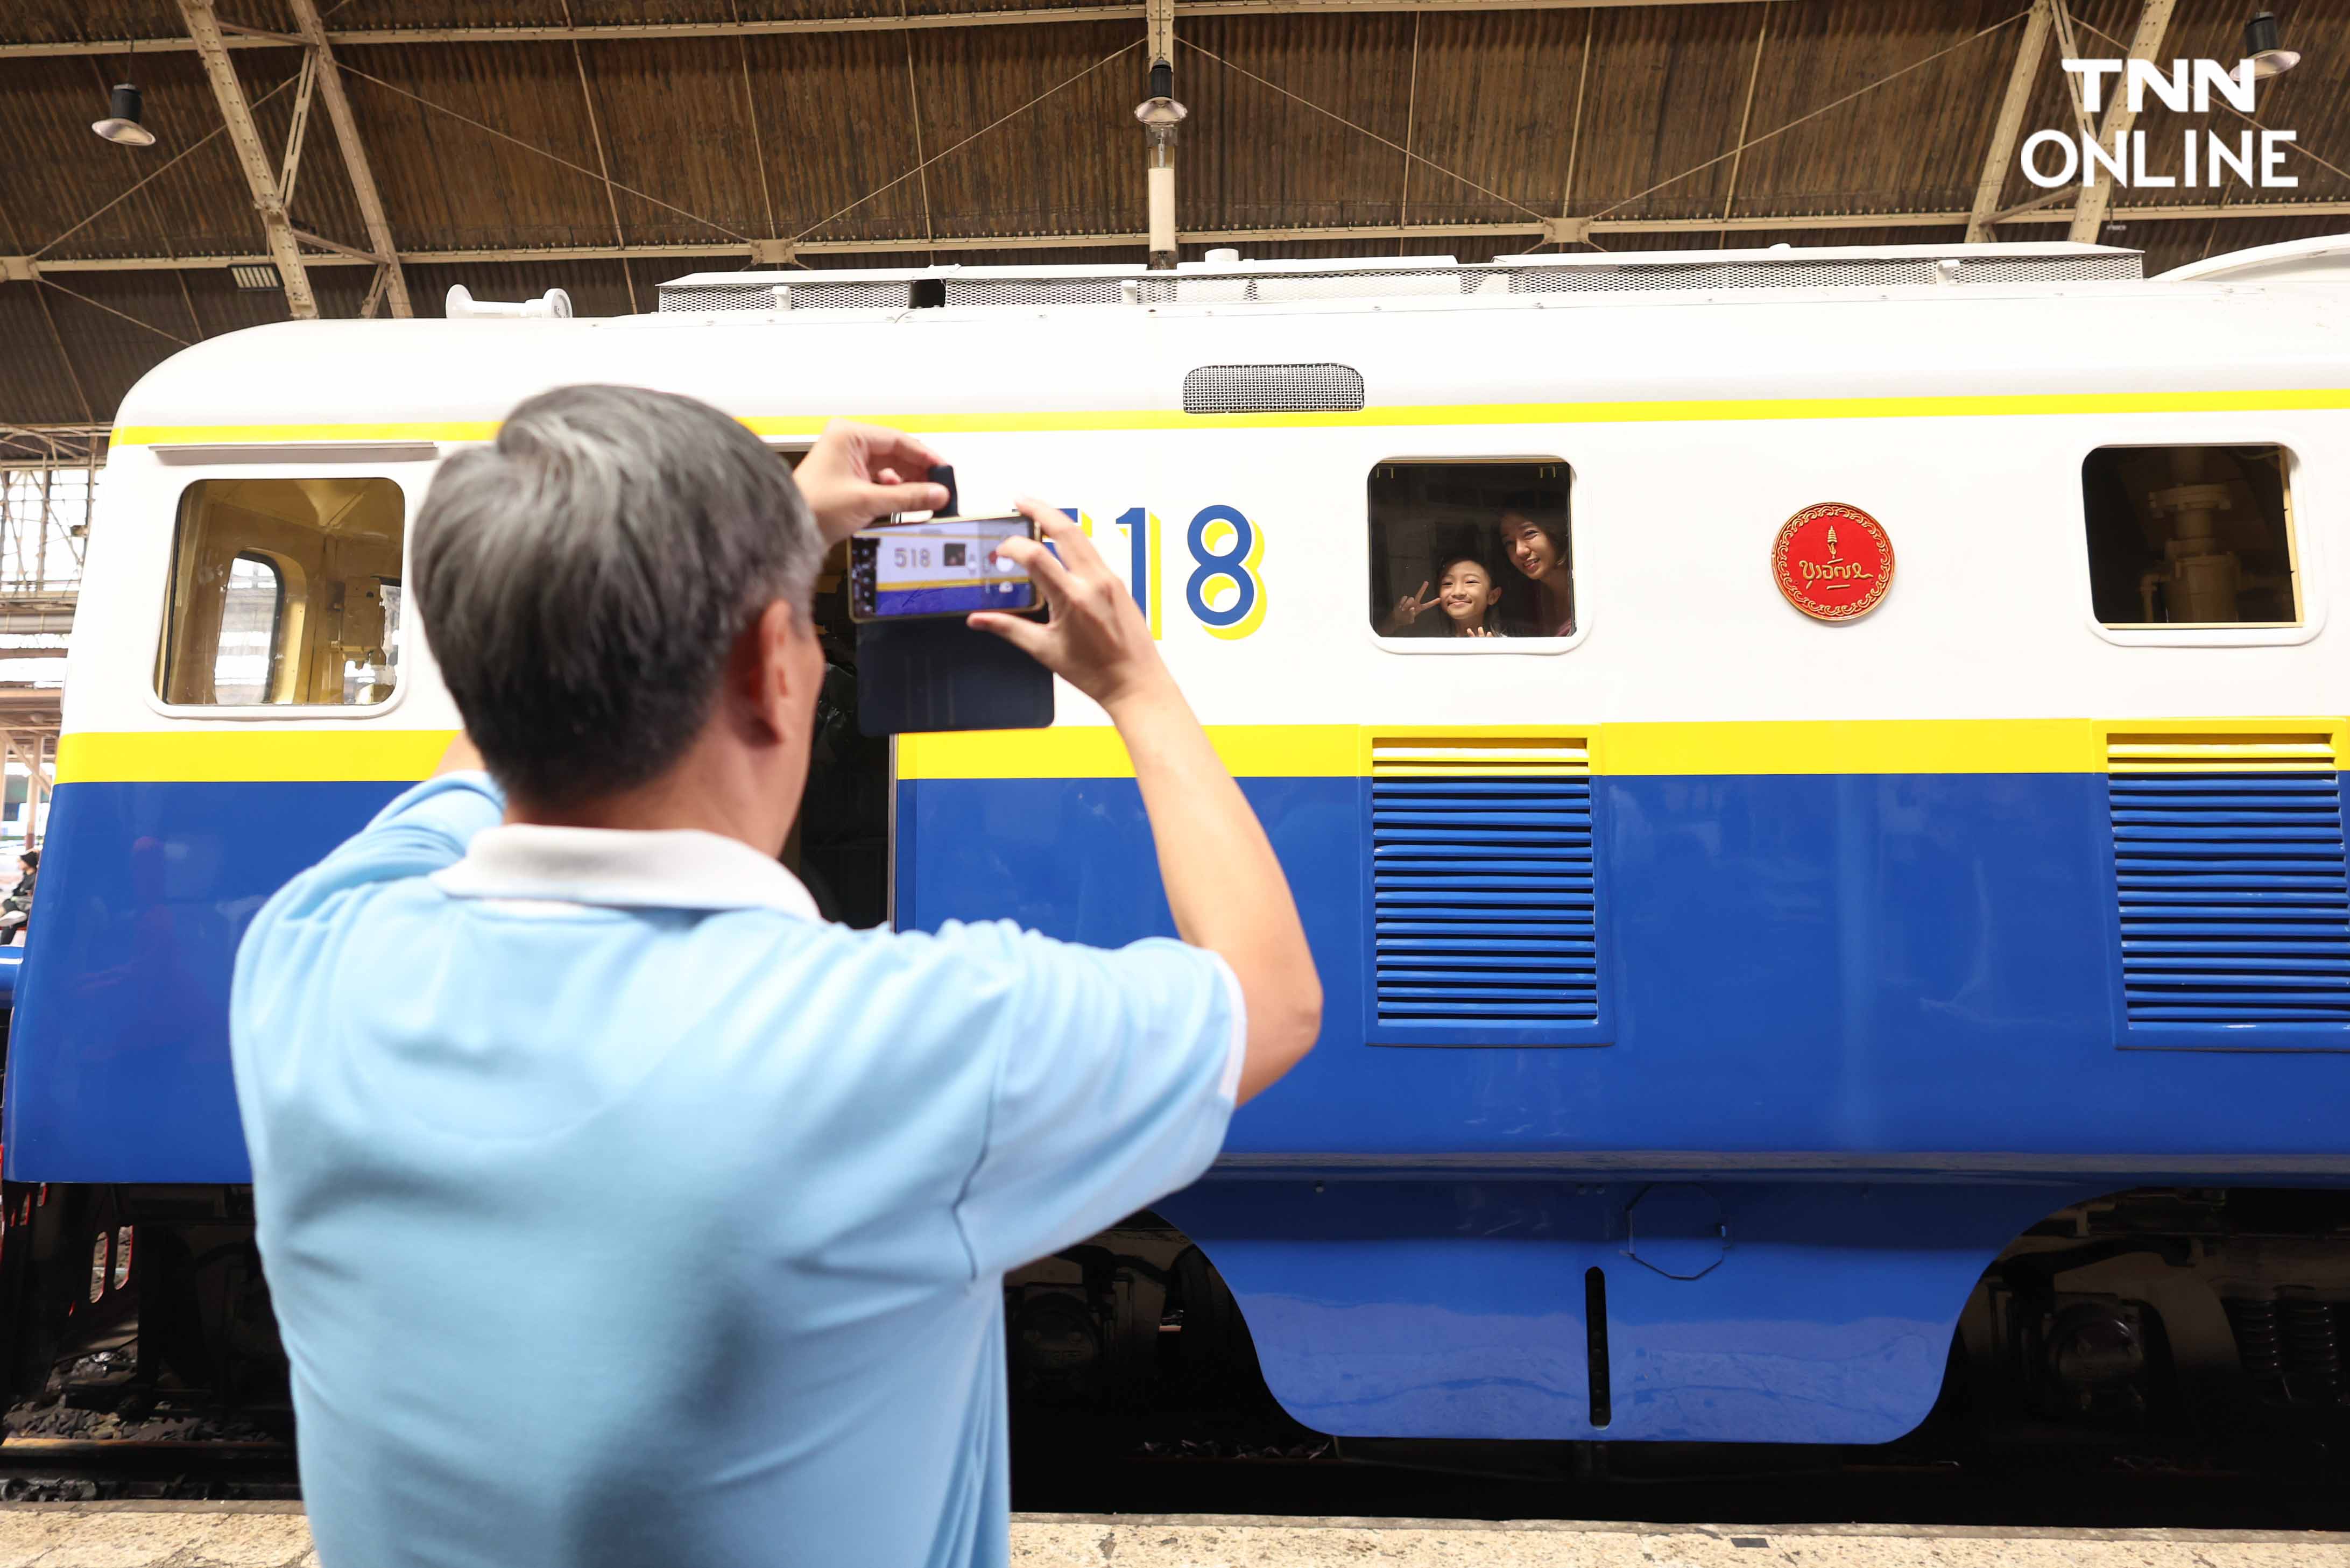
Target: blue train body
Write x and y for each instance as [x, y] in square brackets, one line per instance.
[1841, 1111]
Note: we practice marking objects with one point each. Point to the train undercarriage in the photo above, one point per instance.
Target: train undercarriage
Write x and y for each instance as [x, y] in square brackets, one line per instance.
[2189, 1328]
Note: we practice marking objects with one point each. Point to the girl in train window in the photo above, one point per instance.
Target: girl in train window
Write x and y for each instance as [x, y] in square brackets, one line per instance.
[1466, 602]
[1495, 531]
[1538, 549]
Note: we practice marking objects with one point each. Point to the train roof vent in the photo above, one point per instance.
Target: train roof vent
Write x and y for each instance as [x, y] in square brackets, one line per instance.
[795, 291]
[1395, 277]
[1837, 266]
[1272, 388]
[1483, 885]
[2234, 886]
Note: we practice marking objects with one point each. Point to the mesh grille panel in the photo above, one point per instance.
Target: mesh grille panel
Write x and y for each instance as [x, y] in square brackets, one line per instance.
[889, 294]
[1801, 271]
[1795, 269]
[2234, 881]
[1483, 884]
[1484, 904]
[1272, 388]
[1039, 291]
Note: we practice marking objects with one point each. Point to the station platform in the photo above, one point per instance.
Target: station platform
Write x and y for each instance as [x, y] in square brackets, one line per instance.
[275, 1535]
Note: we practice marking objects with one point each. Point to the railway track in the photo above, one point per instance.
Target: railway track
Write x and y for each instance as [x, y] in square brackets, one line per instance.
[1466, 1483]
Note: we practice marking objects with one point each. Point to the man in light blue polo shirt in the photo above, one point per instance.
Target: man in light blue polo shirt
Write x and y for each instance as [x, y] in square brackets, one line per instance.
[616, 1210]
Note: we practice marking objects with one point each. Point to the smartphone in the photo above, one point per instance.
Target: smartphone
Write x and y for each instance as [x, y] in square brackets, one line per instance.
[946, 566]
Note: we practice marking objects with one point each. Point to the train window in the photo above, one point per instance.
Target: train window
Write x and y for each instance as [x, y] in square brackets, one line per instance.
[1472, 547]
[2190, 536]
[285, 591]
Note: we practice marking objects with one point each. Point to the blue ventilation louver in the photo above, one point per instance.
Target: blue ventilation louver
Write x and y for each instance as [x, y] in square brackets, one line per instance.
[1485, 910]
[2229, 862]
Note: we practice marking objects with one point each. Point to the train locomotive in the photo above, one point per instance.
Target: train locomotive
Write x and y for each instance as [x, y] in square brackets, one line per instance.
[1889, 936]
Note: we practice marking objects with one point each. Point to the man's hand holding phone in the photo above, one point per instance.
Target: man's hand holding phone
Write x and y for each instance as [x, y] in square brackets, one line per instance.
[1096, 639]
[856, 472]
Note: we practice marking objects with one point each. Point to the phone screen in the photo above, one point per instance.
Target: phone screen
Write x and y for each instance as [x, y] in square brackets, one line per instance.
[946, 566]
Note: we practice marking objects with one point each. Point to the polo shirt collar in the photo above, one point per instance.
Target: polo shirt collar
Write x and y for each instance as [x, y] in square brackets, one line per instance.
[681, 868]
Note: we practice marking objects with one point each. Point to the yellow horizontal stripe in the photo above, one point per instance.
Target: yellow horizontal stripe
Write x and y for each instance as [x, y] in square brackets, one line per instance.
[1673, 410]
[1811, 746]
[209, 435]
[1966, 746]
[231, 756]
[1262, 751]
[1856, 746]
[1094, 752]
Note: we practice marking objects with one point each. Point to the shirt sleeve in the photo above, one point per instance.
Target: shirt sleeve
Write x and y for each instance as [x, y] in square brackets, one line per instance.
[1115, 1077]
[421, 831]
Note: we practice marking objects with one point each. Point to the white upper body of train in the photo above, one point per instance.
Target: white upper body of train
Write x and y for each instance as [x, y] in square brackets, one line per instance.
[1693, 412]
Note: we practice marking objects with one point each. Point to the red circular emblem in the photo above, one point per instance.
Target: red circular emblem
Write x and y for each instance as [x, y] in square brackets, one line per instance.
[1833, 561]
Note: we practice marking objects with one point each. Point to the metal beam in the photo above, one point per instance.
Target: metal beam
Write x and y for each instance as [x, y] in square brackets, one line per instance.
[355, 158]
[298, 129]
[1745, 119]
[2097, 195]
[374, 295]
[203, 28]
[1410, 115]
[1751, 222]
[34, 621]
[590, 32]
[604, 164]
[1999, 159]
[1158, 21]
[335, 247]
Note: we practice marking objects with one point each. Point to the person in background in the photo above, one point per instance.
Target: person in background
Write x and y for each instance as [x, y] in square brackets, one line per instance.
[1466, 593]
[17, 909]
[1539, 551]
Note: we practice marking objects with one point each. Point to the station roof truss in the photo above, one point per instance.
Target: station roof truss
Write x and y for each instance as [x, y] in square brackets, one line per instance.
[343, 158]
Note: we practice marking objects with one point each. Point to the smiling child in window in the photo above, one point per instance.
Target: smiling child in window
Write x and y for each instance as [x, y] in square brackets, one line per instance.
[1466, 597]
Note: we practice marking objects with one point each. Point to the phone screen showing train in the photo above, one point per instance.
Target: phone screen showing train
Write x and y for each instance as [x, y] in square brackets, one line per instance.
[946, 566]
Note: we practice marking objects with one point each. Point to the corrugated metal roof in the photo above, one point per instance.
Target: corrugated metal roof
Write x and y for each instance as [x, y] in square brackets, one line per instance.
[1298, 122]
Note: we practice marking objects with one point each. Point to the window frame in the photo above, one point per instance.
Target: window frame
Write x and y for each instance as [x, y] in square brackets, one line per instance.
[1479, 646]
[2305, 557]
[293, 463]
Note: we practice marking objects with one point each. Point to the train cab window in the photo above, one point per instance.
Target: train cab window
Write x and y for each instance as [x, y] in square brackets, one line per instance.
[1472, 547]
[2190, 536]
[285, 592]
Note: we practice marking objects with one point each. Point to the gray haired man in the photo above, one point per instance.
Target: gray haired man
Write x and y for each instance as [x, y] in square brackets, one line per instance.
[618, 1211]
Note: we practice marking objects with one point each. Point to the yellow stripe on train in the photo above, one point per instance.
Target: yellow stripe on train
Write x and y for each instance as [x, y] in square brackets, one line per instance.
[1672, 411]
[223, 754]
[248, 755]
[1343, 751]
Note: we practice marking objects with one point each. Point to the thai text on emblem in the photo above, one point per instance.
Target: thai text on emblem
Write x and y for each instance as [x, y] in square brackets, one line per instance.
[1833, 561]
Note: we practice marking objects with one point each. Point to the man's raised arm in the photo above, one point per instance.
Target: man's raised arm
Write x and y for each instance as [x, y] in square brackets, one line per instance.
[1223, 884]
